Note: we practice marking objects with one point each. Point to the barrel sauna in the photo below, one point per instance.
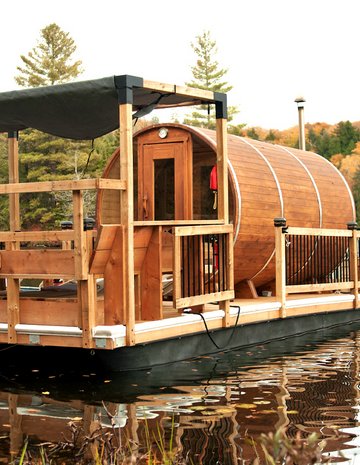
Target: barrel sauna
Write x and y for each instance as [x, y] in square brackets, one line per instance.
[265, 181]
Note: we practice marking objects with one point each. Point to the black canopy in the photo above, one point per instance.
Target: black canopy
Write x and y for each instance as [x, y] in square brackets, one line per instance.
[81, 110]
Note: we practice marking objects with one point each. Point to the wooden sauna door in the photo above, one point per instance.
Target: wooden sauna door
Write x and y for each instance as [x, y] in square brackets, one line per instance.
[165, 182]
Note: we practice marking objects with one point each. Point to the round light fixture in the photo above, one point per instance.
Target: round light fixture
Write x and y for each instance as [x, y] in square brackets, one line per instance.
[163, 133]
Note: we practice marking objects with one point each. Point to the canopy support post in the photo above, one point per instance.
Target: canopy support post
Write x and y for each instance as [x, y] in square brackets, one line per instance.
[13, 285]
[127, 216]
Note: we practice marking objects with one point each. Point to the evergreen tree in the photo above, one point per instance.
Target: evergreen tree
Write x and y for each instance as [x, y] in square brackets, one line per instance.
[347, 136]
[253, 134]
[356, 193]
[208, 76]
[50, 61]
[42, 156]
[329, 142]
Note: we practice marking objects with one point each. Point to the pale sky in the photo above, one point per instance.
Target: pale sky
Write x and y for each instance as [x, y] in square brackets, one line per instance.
[275, 50]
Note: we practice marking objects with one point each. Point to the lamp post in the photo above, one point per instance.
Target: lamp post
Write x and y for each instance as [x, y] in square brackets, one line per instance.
[300, 104]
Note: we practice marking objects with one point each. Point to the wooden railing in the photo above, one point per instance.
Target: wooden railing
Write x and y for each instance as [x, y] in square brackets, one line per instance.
[203, 265]
[314, 260]
[70, 262]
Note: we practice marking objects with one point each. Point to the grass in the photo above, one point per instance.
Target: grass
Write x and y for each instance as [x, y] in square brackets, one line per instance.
[103, 446]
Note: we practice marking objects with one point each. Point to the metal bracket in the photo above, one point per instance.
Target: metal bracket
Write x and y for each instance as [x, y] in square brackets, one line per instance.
[100, 343]
[34, 339]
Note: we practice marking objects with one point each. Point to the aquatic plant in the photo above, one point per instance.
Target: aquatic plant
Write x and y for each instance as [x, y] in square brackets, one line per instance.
[280, 449]
[104, 446]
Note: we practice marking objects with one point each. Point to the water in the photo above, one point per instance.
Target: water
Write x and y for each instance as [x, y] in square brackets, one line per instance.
[211, 406]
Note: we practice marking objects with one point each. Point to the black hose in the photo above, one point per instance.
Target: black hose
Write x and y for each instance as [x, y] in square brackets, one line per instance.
[209, 334]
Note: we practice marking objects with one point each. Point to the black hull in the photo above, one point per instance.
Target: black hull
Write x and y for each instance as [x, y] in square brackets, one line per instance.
[144, 356]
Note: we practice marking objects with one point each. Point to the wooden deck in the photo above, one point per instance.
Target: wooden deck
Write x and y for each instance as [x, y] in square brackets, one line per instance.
[57, 321]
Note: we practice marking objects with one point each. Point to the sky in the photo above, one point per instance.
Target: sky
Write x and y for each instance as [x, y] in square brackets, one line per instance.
[274, 50]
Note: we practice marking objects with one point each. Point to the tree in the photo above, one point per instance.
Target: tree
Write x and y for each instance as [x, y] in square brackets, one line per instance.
[50, 61]
[347, 136]
[42, 156]
[208, 76]
[329, 141]
[356, 192]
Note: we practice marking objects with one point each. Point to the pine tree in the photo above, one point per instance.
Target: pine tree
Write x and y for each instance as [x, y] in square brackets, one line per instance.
[207, 75]
[43, 156]
[50, 61]
[356, 193]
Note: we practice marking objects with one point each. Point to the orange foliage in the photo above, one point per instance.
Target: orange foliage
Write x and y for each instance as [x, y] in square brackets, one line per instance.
[337, 159]
[349, 165]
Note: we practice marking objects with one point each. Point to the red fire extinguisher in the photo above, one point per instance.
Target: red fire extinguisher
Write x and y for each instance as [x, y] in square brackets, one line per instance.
[214, 185]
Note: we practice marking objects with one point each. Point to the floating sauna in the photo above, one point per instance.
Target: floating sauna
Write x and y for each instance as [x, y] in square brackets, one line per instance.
[172, 166]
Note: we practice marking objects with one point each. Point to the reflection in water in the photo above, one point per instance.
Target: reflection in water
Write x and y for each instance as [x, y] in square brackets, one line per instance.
[213, 404]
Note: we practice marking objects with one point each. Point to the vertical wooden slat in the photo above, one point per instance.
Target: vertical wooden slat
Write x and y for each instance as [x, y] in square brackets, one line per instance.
[87, 298]
[127, 216]
[15, 420]
[280, 269]
[354, 266]
[229, 276]
[80, 237]
[13, 285]
[222, 169]
[85, 289]
[176, 268]
[13, 308]
[151, 278]
[114, 281]
[230, 258]
[223, 200]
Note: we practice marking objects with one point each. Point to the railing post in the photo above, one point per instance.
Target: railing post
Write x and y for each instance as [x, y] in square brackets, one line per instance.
[127, 210]
[280, 225]
[66, 225]
[13, 285]
[353, 226]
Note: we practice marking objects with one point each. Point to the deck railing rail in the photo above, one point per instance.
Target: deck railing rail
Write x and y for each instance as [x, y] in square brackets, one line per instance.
[315, 259]
[71, 262]
[203, 265]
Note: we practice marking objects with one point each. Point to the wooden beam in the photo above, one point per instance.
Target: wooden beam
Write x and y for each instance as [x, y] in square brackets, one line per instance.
[180, 90]
[151, 278]
[13, 284]
[222, 169]
[36, 236]
[280, 276]
[87, 298]
[42, 262]
[127, 215]
[354, 266]
[114, 282]
[319, 287]
[15, 420]
[81, 268]
[177, 294]
[198, 230]
[204, 299]
[14, 187]
[13, 308]
[319, 232]
[178, 222]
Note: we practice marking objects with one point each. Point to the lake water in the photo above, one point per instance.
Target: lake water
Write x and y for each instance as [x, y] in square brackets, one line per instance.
[208, 408]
